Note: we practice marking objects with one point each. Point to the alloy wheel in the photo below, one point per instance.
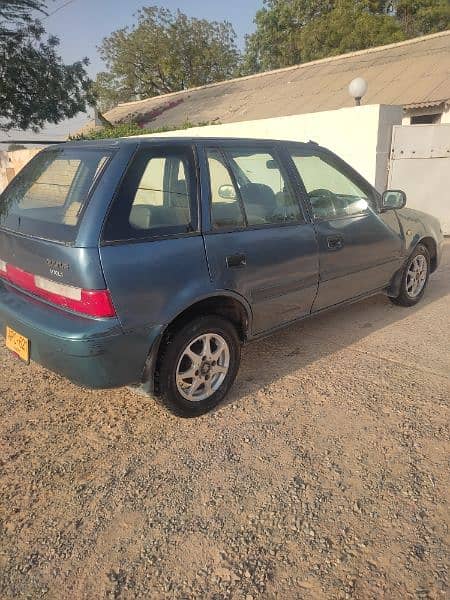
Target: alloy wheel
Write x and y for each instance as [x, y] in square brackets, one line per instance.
[202, 367]
[416, 275]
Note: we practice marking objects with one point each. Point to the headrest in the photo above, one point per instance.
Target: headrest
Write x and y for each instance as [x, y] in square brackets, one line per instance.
[258, 193]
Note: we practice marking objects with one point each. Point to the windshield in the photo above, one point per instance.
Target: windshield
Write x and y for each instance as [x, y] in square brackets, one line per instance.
[46, 199]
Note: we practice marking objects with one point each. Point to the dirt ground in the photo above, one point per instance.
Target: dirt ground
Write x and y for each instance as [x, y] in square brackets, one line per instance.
[323, 476]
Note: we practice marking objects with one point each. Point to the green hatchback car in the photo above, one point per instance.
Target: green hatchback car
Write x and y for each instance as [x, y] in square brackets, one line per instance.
[151, 261]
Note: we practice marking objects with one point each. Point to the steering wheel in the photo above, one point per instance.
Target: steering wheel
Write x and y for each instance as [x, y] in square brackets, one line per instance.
[328, 207]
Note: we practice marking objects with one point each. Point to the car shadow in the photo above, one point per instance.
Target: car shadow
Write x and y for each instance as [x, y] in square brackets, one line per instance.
[289, 349]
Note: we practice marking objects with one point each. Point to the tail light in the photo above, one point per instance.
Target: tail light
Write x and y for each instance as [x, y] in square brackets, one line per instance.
[94, 303]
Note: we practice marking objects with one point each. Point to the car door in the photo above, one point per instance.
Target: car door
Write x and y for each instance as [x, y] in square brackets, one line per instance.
[257, 239]
[359, 248]
[152, 250]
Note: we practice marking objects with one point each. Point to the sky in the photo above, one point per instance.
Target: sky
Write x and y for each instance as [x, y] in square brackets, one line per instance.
[82, 24]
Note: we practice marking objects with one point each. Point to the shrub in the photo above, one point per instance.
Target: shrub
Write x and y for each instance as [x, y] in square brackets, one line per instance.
[129, 129]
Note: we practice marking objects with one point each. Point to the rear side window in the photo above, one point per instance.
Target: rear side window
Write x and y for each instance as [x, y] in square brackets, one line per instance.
[226, 208]
[249, 183]
[157, 197]
[48, 196]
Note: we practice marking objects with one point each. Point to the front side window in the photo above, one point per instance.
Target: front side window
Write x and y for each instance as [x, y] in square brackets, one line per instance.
[331, 193]
[154, 199]
[251, 184]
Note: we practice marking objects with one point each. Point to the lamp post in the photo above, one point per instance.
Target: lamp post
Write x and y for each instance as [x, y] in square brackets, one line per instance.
[357, 89]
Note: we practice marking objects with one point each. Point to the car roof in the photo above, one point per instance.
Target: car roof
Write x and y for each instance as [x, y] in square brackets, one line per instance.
[153, 140]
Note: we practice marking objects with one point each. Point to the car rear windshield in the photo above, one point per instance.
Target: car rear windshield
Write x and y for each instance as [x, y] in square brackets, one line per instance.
[47, 198]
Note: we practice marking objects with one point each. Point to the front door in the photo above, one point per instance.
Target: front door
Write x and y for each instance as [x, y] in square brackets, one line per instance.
[359, 248]
[257, 239]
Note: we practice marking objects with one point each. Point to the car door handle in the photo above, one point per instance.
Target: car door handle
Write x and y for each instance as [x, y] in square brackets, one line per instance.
[335, 242]
[236, 260]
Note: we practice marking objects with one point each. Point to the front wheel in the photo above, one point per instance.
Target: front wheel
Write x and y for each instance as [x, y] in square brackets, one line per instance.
[198, 366]
[415, 277]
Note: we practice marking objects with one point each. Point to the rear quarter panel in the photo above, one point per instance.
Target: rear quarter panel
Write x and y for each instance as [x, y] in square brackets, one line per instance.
[152, 282]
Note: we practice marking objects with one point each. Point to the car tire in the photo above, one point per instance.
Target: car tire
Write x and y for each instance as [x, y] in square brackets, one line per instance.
[416, 271]
[198, 365]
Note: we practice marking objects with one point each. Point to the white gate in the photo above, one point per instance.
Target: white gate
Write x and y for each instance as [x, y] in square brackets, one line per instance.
[420, 165]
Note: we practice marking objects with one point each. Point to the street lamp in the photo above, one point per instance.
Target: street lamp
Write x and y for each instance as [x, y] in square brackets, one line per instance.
[357, 89]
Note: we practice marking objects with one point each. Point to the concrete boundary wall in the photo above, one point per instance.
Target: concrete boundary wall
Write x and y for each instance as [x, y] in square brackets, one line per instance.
[12, 162]
[361, 135]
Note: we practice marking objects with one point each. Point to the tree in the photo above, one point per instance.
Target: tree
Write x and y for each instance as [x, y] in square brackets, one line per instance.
[36, 87]
[16, 13]
[419, 17]
[349, 26]
[164, 52]
[275, 42]
[293, 31]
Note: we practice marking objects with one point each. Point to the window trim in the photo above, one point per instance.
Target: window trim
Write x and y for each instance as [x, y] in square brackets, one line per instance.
[274, 151]
[343, 168]
[187, 151]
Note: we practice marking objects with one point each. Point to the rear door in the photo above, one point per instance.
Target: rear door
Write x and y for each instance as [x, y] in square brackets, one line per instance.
[359, 248]
[257, 239]
[152, 250]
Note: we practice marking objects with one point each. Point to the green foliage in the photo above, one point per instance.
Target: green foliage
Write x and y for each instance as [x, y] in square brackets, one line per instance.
[275, 42]
[130, 129]
[164, 52]
[419, 17]
[13, 147]
[293, 31]
[116, 131]
[17, 13]
[36, 87]
[349, 26]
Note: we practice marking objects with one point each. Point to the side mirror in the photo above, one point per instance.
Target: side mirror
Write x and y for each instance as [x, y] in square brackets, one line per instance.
[227, 192]
[393, 199]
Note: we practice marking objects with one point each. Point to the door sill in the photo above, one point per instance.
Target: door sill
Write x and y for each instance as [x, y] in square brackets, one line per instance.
[381, 290]
[269, 332]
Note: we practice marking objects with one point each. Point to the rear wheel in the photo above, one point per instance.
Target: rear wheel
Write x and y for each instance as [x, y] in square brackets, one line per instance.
[198, 365]
[415, 277]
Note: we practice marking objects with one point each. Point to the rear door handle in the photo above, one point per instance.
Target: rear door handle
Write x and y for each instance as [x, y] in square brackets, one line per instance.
[236, 260]
[335, 242]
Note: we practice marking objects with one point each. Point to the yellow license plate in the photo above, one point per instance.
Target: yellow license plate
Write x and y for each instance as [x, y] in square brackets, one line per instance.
[18, 344]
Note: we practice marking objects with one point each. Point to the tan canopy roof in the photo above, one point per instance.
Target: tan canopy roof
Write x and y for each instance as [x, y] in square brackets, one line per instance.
[415, 72]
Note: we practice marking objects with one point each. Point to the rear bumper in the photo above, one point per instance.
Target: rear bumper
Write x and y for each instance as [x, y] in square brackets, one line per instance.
[94, 353]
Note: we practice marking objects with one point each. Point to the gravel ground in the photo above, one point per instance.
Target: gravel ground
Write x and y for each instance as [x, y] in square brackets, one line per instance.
[323, 476]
